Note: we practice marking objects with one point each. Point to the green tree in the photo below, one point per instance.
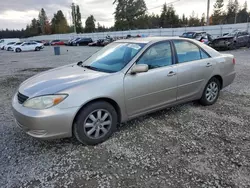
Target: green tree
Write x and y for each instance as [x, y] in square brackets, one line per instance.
[76, 18]
[59, 23]
[90, 24]
[232, 10]
[168, 17]
[44, 22]
[128, 12]
[34, 28]
[194, 20]
[203, 19]
[243, 15]
[218, 13]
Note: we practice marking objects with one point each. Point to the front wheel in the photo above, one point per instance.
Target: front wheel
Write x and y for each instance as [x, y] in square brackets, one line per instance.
[95, 123]
[211, 92]
[18, 50]
[37, 49]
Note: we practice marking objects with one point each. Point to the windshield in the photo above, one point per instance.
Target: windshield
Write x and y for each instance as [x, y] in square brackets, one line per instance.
[113, 57]
[232, 34]
[18, 43]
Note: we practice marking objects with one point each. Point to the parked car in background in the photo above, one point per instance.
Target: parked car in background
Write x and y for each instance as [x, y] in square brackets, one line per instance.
[82, 42]
[71, 41]
[123, 80]
[46, 43]
[28, 46]
[4, 42]
[56, 42]
[201, 36]
[233, 40]
[99, 42]
[9, 46]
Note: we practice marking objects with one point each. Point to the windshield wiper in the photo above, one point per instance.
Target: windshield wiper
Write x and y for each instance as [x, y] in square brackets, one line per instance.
[92, 68]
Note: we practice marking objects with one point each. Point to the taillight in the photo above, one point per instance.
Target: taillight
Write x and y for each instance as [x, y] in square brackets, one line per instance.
[202, 40]
[234, 61]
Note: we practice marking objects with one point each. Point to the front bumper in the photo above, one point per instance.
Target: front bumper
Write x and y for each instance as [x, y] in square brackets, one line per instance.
[45, 124]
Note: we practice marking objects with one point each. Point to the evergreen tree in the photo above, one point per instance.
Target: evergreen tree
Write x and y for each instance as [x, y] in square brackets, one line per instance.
[243, 15]
[128, 12]
[59, 23]
[44, 22]
[194, 20]
[217, 16]
[76, 18]
[203, 19]
[168, 17]
[90, 24]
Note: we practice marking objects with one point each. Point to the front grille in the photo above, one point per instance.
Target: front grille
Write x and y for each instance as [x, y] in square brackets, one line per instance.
[21, 98]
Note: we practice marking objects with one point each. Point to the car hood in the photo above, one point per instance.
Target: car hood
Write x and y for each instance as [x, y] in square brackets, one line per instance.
[59, 79]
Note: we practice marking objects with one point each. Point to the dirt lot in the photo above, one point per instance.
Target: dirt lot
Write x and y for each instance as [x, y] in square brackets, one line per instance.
[185, 146]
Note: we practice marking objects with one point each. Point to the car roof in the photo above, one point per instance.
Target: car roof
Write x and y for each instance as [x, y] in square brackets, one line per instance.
[146, 40]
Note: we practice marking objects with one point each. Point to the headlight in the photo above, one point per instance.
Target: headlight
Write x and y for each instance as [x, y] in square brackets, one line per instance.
[44, 102]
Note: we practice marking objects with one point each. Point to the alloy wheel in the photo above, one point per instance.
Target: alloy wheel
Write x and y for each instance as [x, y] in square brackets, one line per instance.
[212, 92]
[97, 124]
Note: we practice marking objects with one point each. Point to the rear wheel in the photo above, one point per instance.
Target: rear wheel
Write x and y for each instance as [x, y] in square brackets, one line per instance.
[9, 48]
[18, 50]
[37, 49]
[211, 92]
[95, 123]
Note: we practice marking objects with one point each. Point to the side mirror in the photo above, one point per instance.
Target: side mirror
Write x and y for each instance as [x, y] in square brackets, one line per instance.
[139, 68]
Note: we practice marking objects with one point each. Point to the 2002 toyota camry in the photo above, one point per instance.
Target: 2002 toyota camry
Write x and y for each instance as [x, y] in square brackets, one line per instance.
[126, 79]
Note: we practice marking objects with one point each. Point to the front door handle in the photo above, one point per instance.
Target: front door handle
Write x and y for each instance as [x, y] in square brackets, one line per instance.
[209, 65]
[171, 73]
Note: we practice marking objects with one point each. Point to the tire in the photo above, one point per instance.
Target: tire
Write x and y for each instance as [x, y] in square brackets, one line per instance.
[233, 46]
[78, 44]
[18, 50]
[8, 49]
[37, 49]
[86, 127]
[206, 100]
[248, 44]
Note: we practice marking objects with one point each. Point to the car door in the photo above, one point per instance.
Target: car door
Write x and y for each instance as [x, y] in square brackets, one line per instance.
[25, 46]
[240, 39]
[245, 38]
[194, 69]
[156, 87]
[33, 46]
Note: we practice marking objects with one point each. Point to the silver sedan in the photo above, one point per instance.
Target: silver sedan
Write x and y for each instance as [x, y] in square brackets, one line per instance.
[124, 80]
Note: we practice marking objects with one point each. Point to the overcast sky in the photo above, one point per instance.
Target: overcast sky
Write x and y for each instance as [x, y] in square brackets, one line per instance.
[17, 14]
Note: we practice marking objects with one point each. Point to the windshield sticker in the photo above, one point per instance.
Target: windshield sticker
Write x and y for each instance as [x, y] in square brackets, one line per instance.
[134, 46]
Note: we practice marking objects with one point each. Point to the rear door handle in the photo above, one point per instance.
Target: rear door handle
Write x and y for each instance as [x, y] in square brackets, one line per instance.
[171, 73]
[209, 65]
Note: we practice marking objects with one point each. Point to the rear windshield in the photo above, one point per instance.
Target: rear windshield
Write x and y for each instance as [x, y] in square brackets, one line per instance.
[189, 35]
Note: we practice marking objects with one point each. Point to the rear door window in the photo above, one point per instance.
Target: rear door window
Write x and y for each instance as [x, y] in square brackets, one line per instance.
[187, 51]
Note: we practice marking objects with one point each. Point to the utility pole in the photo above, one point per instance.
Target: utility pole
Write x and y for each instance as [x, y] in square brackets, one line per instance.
[208, 8]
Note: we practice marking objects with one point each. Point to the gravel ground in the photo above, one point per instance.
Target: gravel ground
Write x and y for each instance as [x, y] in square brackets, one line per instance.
[185, 146]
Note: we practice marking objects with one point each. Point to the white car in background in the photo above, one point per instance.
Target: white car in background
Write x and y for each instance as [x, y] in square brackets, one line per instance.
[4, 42]
[28, 46]
[9, 46]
